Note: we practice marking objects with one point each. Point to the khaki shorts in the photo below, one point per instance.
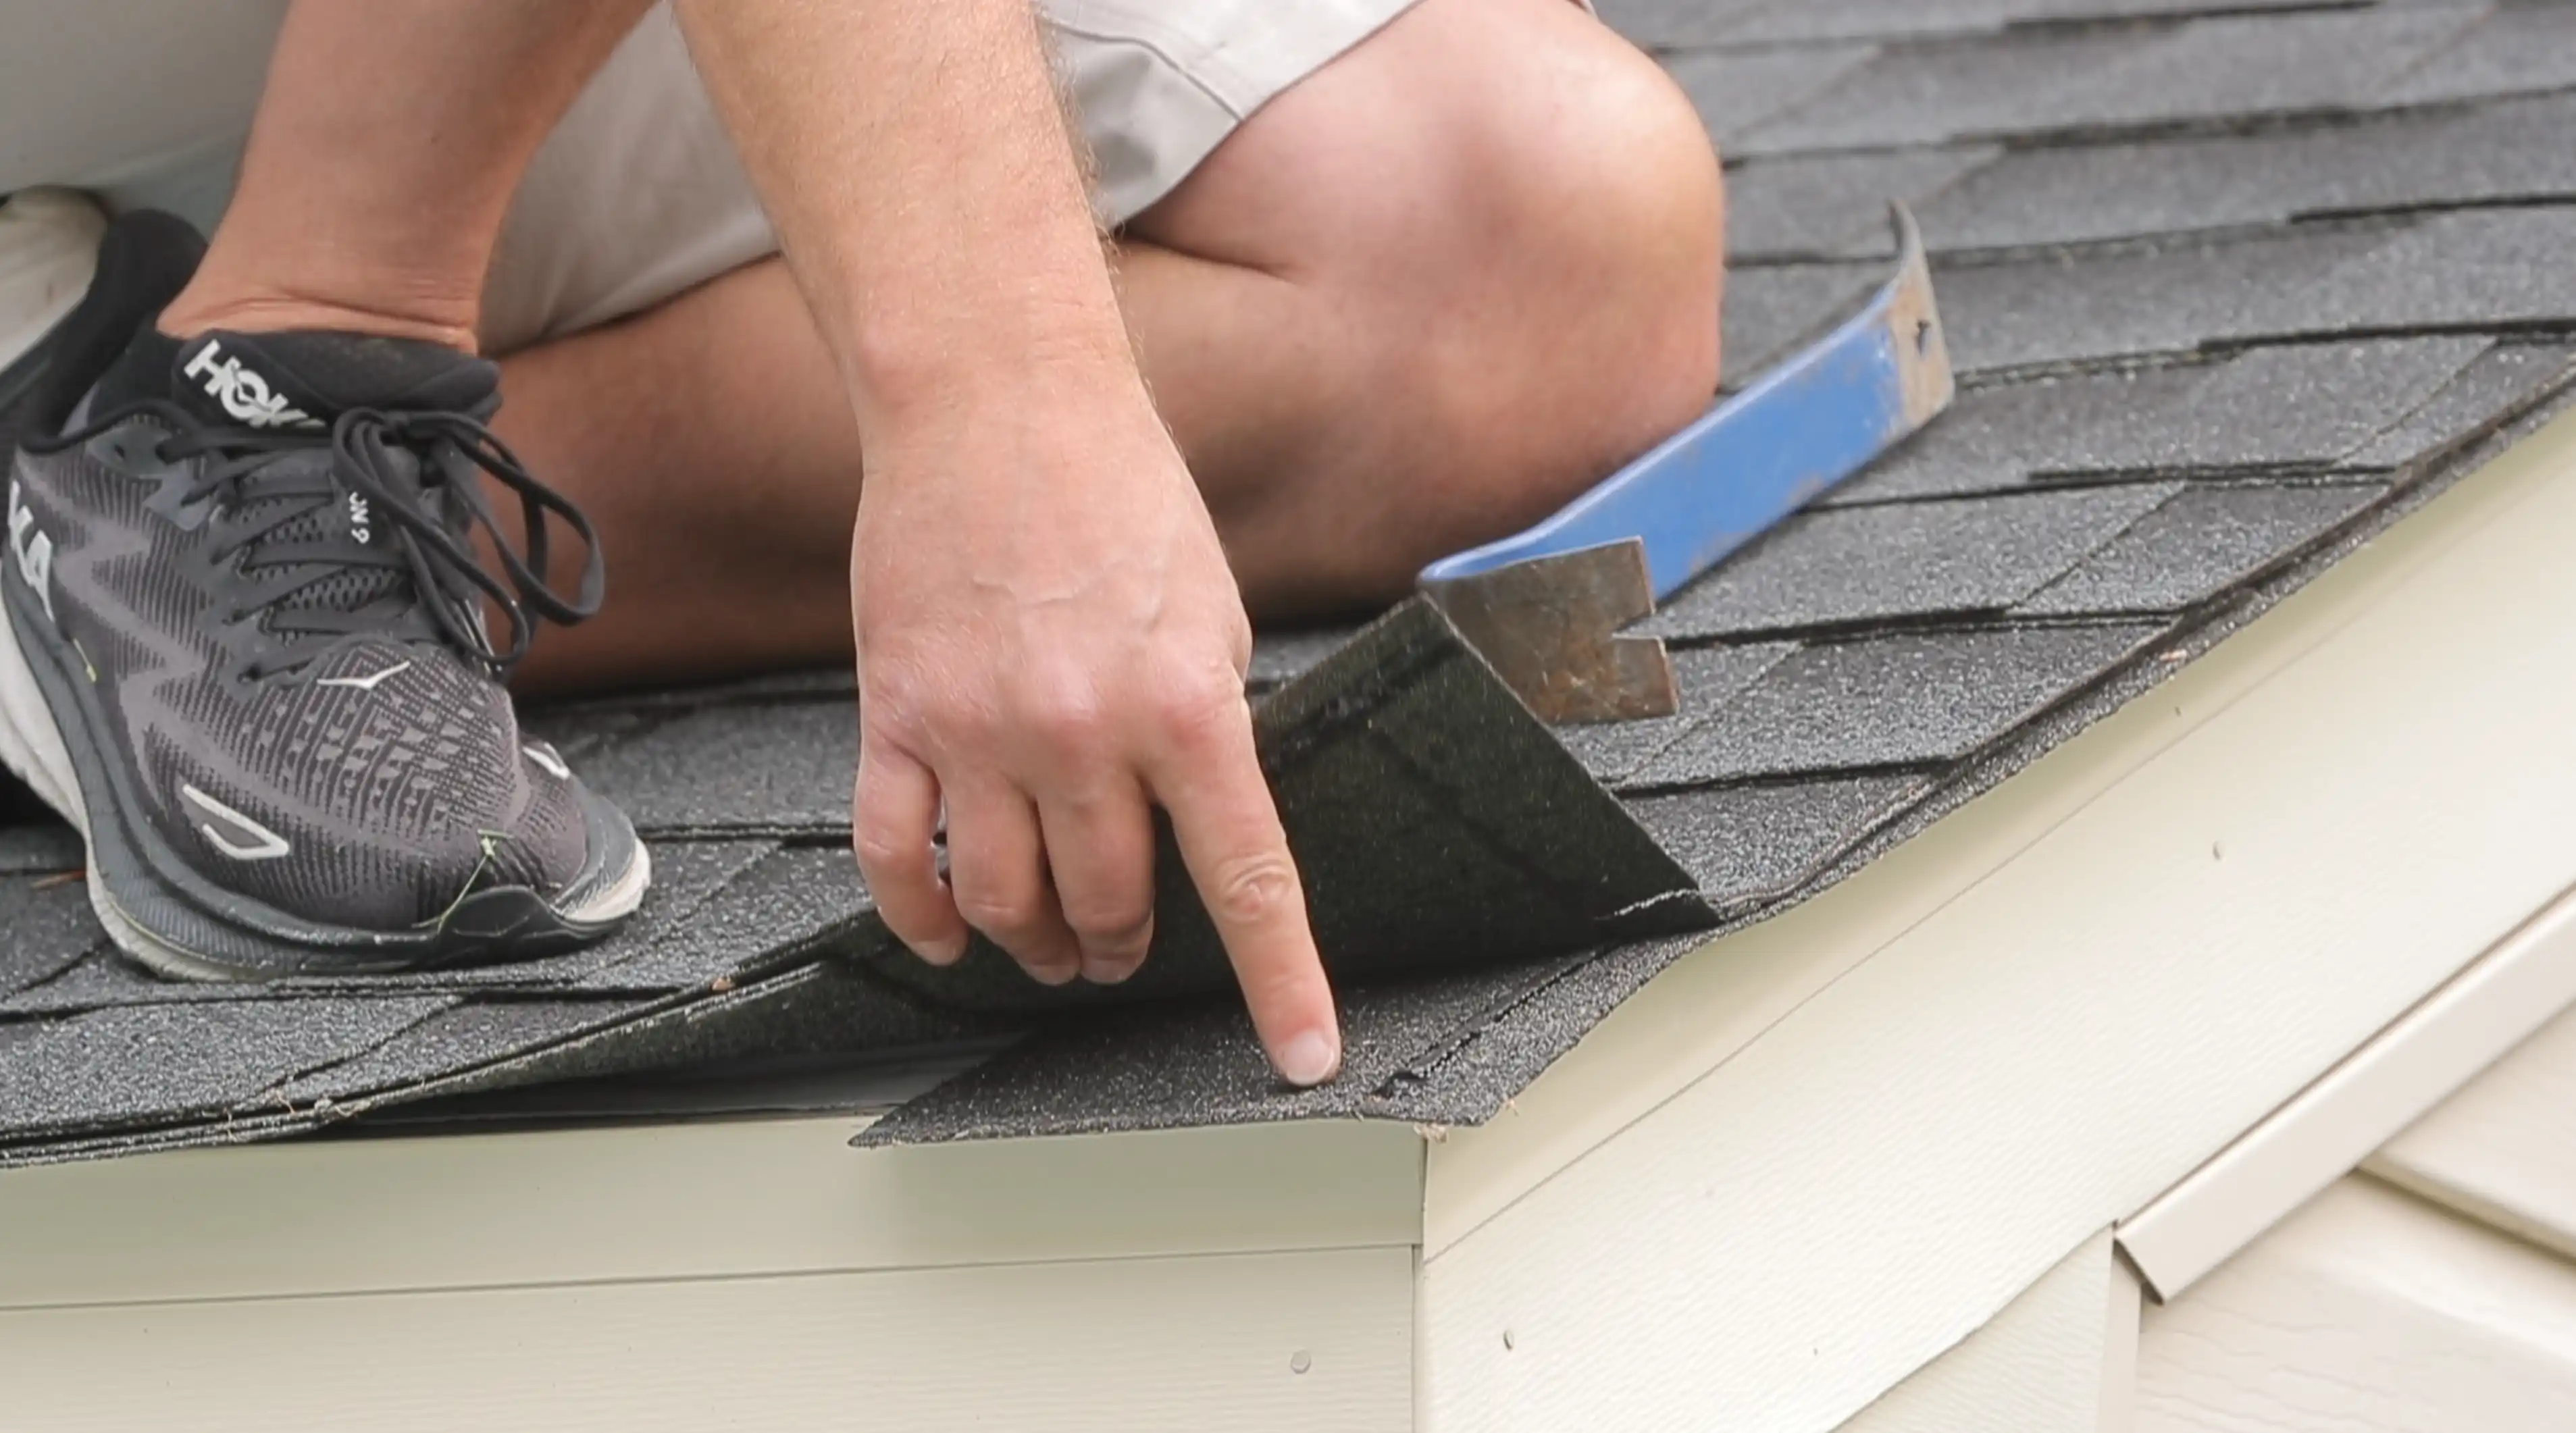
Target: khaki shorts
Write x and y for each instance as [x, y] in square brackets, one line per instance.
[637, 195]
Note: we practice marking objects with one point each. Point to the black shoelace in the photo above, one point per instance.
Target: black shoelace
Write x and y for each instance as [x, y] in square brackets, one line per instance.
[416, 476]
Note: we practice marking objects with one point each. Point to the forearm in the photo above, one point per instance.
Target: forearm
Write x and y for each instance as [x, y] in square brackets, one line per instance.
[913, 156]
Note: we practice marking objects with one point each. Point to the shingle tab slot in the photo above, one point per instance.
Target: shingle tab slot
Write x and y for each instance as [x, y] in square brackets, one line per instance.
[1890, 701]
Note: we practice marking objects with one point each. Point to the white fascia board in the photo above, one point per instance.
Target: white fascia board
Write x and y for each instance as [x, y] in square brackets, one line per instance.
[2331, 1126]
[1825, 1149]
[1246, 1343]
[2502, 1151]
[707, 1199]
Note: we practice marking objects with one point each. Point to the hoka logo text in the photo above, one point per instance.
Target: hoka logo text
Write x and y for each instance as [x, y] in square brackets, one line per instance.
[31, 549]
[244, 393]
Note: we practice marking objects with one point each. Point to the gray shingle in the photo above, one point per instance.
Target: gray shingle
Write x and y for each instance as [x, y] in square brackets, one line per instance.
[1281, 657]
[1768, 312]
[1903, 561]
[1807, 20]
[42, 847]
[2049, 82]
[1910, 700]
[452, 1041]
[2482, 267]
[45, 927]
[1706, 676]
[1745, 843]
[2300, 406]
[2202, 542]
[2038, 312]
[782, 903]
[2490, 269]
[152, 1063]
[2267, 65]
[1833, 205]
[100, 977]
[1928, 95]
[1674, 22]
[2522, 47]
[772, 769]
[1993, 439]
[2502, 383]
[1735, 92]
[2075, 194]
[2308, 404]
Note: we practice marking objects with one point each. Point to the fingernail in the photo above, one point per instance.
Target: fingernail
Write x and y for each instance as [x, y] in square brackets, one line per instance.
[1310, 1058]
[942, 952]
[1055, 974]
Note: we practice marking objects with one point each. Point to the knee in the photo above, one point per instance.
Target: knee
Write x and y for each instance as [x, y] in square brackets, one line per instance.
[1588, 271]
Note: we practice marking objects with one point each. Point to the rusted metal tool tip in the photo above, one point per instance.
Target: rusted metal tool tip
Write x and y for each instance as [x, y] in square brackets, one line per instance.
[1549, 627]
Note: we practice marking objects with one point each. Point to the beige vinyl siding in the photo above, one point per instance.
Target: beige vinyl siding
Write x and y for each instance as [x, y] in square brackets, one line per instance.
[2503, 1150]
[2407, 1068]
[2368, 1311]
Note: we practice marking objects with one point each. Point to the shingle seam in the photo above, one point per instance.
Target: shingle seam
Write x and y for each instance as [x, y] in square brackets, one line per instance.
[1683, 731]
[2211, 352]
[2238, 124]
[2075, 480]
[2550, 394]
[1950, 621]
[254, 1104]
[1430, 1055]
[1438, 796]
[2389, 218]
[2015, 27]
[2467, 35]
[249, 1129]
[1771, 780]
[2502, 330]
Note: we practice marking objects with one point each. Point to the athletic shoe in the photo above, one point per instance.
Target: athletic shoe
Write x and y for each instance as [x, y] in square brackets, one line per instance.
[246, 647]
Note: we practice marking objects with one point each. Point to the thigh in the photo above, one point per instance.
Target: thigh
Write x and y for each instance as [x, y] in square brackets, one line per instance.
[1160, 84]
[1431, 132]
[638, 196]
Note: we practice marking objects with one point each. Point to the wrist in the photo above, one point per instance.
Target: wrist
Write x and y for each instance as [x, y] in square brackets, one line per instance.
[1035, 343]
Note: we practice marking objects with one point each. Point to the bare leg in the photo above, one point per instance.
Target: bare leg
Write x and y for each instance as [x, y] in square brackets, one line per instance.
[1417, 301]
[386, 147]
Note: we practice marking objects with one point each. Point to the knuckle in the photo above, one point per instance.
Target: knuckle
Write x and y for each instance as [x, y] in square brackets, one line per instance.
[1108, 917]
[884, 854]
[1195, 710]
[1066, 717]
[1255, 890]
[997, 913]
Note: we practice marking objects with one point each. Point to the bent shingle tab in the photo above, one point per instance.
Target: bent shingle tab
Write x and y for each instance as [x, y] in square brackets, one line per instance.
[2231, 283]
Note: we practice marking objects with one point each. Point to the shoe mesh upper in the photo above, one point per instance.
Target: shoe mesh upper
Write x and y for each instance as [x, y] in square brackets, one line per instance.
[384, 794]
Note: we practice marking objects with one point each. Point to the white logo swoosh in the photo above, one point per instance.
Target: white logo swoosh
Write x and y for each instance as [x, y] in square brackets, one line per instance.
[262, 845]
[364, 684]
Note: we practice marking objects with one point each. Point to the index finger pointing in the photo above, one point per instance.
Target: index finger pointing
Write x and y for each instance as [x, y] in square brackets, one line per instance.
[1237, 855]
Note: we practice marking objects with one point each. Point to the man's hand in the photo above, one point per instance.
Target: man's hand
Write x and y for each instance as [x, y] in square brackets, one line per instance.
[1050, 642]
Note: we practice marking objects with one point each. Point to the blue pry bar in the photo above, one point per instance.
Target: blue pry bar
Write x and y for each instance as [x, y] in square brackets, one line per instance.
[1733, 474]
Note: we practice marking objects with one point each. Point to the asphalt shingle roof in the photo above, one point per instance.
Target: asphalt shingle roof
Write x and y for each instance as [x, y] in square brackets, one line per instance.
[2231, 284]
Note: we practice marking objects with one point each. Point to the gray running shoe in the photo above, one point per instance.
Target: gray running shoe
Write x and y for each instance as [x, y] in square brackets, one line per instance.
[246, 647]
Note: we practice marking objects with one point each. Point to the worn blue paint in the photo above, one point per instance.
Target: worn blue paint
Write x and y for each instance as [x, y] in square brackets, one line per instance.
[1735, 472]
